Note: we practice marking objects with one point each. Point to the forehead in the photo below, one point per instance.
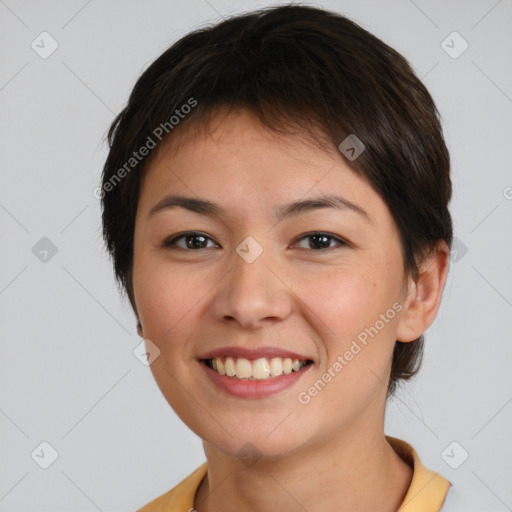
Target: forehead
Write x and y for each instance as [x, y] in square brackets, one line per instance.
[235, 158]
[240, 131]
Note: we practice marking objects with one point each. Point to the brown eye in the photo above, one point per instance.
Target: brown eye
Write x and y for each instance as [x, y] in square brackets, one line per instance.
[321, 241]
[191, 240]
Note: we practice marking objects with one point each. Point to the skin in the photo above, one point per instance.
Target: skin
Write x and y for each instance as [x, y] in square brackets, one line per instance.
[330, 454]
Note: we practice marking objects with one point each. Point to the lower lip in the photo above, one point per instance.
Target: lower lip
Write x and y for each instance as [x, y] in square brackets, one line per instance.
[254, 388]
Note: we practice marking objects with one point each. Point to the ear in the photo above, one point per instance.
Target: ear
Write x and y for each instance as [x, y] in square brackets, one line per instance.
[131, 297]
[423, 298]
[139, 329]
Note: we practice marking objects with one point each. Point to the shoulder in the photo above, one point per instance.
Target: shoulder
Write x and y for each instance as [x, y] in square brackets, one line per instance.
[428, 489]
[181, 497]
[454, 501]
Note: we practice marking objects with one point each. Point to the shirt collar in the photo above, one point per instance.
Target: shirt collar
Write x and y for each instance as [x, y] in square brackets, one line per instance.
[426, 492]
[428, 488]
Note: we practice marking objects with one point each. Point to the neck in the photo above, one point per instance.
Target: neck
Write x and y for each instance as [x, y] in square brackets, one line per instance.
[357, 471]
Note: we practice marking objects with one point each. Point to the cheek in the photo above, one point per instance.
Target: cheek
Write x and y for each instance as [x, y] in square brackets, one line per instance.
[165, 294]
[348, 299]
[354, 310]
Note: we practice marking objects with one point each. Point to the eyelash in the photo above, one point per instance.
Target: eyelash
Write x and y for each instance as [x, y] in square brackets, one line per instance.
[169, 243]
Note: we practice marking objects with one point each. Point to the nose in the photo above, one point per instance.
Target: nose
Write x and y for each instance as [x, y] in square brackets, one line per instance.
[252, 294]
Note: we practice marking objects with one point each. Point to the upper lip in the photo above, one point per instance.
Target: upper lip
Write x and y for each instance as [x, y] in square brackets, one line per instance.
[252, 353]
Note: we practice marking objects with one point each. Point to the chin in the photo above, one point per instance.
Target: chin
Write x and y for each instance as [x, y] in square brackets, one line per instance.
[252, 445]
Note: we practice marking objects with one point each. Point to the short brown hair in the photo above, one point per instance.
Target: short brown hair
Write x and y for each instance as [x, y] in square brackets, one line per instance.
[301, 70]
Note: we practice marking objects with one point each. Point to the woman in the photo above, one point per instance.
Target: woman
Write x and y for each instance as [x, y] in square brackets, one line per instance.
[275, 201]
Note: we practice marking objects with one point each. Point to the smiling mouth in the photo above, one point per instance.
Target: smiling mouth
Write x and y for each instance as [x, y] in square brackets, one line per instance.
[257, 369]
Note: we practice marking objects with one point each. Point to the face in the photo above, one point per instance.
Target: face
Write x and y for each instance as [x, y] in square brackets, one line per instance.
[322, 281]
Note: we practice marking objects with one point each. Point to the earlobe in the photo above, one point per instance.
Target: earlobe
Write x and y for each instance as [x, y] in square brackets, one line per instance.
[134, 306]
[424, 295]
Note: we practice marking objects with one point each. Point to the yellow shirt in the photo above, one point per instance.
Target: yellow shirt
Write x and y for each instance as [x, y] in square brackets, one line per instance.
[425, 494]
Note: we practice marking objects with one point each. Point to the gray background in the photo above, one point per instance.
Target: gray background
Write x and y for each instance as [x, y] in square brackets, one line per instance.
[69, 376]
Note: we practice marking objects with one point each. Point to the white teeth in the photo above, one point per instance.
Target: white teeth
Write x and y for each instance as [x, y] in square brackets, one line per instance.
[243, 368]
[259, 369]
[229, 367]
[276, 366]
[287, 365]
[295, 365]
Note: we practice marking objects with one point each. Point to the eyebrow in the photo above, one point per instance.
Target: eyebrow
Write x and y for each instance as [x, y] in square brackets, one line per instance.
[205, 207]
